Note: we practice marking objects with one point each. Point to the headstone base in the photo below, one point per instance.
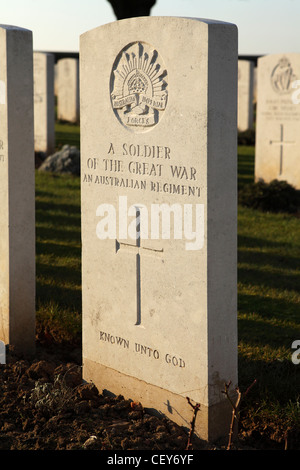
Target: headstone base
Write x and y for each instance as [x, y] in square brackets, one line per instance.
[212, 423]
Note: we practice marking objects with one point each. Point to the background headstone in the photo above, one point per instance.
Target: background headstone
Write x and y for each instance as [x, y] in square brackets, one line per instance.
[278, 119]
[68, 90]
[17, 191]
[255, 85]
[245, 95]
[44, 101]
[159, 127]
[2, 352]
[55, 79]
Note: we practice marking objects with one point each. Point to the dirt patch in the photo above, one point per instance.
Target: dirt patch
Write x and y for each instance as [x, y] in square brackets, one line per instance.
[44, 405]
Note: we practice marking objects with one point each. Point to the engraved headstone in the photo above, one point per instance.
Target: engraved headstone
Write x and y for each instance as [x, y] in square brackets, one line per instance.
[44, 112]
[278, 119]
[245, 95]
[17, 190]
[67, 88]
[158, 182]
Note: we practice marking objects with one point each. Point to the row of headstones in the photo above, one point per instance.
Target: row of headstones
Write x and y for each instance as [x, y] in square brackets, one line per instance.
[276, 113]
[62, 80]
[273, 87]
[158, 130]
[50, 80]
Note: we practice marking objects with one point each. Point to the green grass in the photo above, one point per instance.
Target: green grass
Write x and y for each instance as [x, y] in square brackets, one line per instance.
[245, 165]
[58, 254]
[269, 278]
[268, 288]
[268, 309]
[67, 134]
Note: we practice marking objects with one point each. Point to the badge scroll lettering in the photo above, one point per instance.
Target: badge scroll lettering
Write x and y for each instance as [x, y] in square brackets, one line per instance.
[139, 86]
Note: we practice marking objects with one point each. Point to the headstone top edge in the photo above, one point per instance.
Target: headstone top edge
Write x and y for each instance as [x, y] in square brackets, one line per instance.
[152, 19]
[14, 28]
[43, 53]
[245, 60]
[65, 59]
[266, 57]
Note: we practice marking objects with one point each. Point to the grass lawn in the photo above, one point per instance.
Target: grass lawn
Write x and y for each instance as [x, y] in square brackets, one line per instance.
[67, 134]
[268, 290]
[58, 255]
[268, 311]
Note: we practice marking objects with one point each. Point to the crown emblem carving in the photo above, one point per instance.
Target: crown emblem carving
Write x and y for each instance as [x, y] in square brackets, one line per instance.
[139, 86]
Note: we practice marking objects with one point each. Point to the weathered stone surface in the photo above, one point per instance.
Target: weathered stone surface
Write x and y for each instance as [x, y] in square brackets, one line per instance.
[17, 190]
[44, 113]
[245, 94]
[158, 150]
[278, 119]
[67, 89]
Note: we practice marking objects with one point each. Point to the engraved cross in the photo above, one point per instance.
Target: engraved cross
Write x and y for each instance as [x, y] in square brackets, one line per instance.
[281, 143]
[137, 249]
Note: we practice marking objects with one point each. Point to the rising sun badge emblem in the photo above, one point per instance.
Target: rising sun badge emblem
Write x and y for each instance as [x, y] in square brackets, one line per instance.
[138, 86]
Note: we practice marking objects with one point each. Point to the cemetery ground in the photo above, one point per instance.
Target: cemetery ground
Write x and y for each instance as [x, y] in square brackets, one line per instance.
[45, 406]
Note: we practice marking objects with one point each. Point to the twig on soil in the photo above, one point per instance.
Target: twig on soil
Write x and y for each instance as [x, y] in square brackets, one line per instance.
[235, 407]
[192, 427]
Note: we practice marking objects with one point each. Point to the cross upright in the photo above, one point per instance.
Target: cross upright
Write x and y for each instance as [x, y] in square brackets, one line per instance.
[138, 249]
[281, 143]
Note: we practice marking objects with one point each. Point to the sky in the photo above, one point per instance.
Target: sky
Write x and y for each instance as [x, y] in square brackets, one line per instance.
[265, 26]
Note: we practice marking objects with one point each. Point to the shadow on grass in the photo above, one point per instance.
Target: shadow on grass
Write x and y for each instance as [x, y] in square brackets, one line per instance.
[58, 250]
[281, 261]
[58, 255]
[62, 296]
[269, 299]
[262, 277]
[70, 209]
[245, 166]
[53, 234]
[277, 381]
[268, 269]
[257, 332]
[255, 242]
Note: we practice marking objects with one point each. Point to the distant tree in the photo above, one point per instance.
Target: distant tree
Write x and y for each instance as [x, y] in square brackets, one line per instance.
[131, 8]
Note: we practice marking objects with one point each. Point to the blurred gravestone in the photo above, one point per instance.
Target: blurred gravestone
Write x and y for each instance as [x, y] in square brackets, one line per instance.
[2, 353]
[68, 90]
[17, 190]
[278, 119]
[44, 113]
[245, 95]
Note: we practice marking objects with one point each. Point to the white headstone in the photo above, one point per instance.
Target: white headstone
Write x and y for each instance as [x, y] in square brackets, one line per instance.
[278, 119]
[44, 112]
[159, 139]
[2, 352]
[17, 190]
[68, 90]
[245, 95]
[55, 79]
[255, 85]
